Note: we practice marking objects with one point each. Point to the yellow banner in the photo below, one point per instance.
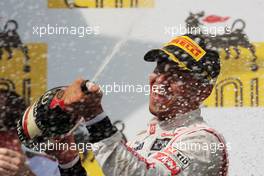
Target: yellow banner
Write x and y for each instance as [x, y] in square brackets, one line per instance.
[238, 85]
[30, 84]
[101, 3]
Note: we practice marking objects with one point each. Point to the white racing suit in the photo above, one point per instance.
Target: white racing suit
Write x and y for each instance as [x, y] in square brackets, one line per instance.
[183, 145]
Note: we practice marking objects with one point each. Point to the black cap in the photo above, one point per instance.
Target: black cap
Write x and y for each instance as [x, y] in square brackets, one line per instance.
[190, 53]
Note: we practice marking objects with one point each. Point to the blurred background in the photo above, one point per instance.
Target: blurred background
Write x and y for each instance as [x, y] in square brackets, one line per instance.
[122, 32]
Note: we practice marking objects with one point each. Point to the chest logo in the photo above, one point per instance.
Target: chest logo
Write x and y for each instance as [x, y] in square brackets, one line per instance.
[138, 146]
[159, 144]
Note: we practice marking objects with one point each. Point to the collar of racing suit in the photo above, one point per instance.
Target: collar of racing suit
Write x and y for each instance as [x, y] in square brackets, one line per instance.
[181, 120]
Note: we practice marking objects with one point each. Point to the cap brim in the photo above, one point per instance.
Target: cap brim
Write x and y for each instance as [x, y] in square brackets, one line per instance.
[155, 55]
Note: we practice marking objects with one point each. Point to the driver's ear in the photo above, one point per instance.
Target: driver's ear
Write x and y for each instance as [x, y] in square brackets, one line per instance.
[152, 77]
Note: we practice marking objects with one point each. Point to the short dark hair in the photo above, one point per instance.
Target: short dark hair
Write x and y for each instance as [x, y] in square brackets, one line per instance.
[12, 107]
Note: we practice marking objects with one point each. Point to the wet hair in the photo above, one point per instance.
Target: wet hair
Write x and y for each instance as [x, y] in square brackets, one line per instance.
[12, 107]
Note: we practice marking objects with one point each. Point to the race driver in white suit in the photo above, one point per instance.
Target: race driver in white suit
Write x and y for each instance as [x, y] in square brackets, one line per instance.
[177, 141]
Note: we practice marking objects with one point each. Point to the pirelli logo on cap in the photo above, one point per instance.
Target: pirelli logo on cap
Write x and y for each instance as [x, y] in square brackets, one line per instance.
[189, 46]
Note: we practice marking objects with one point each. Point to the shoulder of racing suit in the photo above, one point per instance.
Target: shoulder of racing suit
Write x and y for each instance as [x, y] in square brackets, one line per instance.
[196, 144]
[190, 150]
[198, 151]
